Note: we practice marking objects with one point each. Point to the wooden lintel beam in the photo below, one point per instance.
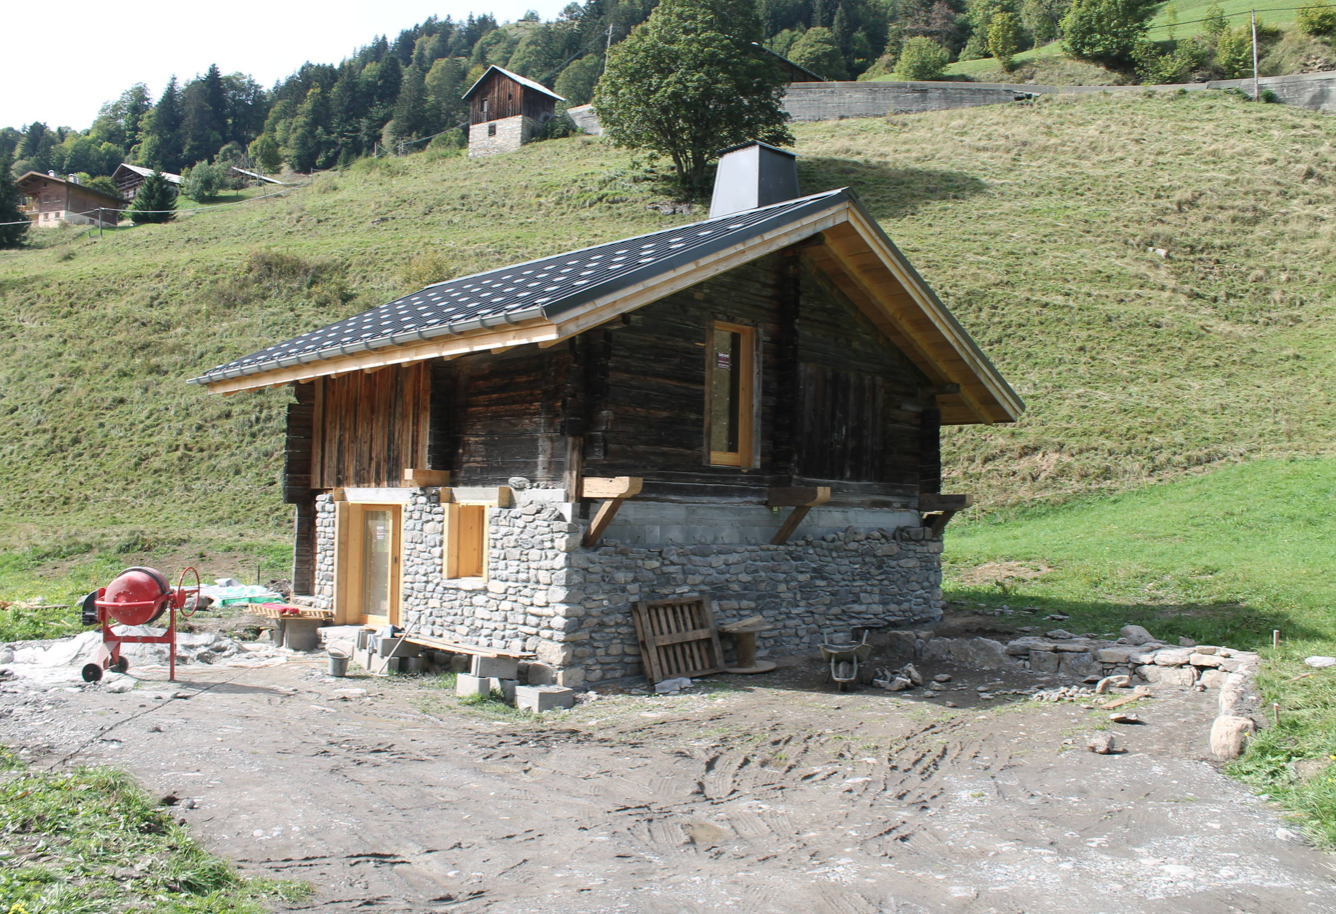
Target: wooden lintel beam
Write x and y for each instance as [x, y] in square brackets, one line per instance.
[610, 486]
[419, 478]
[928, 502]
[797, 496]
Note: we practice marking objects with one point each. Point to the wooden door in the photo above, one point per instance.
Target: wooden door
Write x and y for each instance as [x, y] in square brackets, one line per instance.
[377, 553]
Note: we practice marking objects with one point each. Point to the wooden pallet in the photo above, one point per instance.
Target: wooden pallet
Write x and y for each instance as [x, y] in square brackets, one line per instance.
[678, 638]
[275, 611]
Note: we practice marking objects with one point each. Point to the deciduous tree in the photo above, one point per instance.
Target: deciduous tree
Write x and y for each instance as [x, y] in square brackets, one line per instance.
[687, 83]
[13, 221]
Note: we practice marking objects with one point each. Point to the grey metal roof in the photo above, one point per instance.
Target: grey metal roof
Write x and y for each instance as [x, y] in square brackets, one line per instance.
[538, 288]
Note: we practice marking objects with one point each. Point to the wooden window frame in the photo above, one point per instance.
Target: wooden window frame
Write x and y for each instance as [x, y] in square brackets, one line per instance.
[749, 387]
[451, 541]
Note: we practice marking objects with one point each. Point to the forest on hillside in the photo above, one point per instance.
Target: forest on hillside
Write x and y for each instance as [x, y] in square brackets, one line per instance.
[407, 89]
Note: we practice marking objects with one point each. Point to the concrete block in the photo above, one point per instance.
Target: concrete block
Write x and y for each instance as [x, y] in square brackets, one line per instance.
[496, 667]
[467, 686]
[543, 698]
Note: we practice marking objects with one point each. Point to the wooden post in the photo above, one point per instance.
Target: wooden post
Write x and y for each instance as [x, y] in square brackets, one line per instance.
[615, 489]
[937, 510]
[1257, 93]
[802, 499]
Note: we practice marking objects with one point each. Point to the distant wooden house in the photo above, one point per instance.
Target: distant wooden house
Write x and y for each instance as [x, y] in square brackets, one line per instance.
[129, 178]
[50, 201]
[748, 407]
[506, 110]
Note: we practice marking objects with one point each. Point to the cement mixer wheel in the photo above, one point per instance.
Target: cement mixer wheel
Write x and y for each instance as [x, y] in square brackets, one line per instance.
[92, 672]
[122, 664]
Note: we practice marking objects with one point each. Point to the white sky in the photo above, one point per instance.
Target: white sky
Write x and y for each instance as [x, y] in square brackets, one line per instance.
[149, 44]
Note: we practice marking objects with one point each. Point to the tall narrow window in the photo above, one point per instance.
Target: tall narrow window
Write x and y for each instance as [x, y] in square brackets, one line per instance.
[730, 401]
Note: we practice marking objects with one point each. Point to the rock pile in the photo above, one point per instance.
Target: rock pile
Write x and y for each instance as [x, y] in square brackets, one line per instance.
[1135, 654]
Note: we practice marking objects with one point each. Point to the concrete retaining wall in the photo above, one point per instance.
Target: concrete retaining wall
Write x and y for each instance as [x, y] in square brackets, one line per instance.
[834, 100]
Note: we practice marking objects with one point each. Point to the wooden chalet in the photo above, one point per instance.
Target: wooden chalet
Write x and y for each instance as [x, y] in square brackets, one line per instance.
[506, 110]
[50, 201]
[747, 407]
[129, 178]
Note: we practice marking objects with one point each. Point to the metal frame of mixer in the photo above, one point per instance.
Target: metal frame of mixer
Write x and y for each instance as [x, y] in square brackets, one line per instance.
[175, 600]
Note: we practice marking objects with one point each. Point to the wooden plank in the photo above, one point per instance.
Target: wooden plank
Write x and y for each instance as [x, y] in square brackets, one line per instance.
[929, 501]
[790, 524]
[797, 496]
[419, 478]
[610, 487]
[459, 647]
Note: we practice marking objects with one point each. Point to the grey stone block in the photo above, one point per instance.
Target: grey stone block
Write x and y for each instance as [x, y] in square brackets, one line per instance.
[544, 698]
[505, 686]
[495, 667]
[468, 686]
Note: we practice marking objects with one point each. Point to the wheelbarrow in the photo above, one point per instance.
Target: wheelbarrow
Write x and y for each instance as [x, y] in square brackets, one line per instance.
[844, 659]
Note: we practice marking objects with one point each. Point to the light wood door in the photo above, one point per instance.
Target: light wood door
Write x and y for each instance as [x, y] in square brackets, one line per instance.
[376, 551]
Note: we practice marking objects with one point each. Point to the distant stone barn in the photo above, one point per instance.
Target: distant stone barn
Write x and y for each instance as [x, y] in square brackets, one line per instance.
[747, 408]
[506, 110]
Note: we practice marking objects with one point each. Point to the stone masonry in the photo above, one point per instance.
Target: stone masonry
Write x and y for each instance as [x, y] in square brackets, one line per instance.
[571, 606]
[511, 133]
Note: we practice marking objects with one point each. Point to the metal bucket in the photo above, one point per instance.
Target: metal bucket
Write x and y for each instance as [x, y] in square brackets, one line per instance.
[338, 663]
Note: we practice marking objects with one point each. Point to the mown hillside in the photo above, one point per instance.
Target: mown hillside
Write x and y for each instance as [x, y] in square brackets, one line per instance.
[1151, 273]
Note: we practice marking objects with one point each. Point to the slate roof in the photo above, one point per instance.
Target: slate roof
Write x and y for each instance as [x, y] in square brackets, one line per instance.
[529, 83]
[538, 288]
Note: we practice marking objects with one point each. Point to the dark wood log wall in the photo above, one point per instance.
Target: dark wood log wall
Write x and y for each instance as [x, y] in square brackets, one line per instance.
[505, 416]
[297, 489]
[507, 98]
[372, 427]
[839, 403]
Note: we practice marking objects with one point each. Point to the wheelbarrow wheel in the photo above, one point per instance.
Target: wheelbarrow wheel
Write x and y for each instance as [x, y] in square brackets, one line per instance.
[92, 672]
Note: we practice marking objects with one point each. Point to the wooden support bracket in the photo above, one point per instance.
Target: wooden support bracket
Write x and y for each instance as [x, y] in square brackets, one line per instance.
[937, 510]
[616, 489]
[419, 479]
[802, 499]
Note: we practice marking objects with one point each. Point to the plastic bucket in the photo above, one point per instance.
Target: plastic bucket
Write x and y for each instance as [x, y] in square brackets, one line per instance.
[338, 663]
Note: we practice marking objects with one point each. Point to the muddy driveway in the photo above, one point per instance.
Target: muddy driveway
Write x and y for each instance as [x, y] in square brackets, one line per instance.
[762, 794]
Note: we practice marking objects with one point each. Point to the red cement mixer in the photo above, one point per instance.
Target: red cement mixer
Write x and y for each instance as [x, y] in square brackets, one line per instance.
[138, 596]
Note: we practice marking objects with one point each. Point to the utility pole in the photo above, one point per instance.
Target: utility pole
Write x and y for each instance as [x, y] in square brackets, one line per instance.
[1257, 95]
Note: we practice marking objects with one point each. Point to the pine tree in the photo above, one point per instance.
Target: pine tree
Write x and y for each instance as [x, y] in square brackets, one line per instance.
[13, 221]
[162, 146]
[303, 148]
[410, 110]
[204, 116]
[155, 202]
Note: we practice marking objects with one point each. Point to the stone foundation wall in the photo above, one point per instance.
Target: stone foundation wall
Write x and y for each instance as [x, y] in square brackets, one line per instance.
[571, 606]
[835, 583]
[511, 134]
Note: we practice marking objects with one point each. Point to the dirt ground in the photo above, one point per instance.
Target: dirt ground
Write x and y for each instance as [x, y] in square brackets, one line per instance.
[752, 794]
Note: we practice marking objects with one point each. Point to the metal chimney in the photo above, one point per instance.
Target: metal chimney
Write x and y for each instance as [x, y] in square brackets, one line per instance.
[752, 175]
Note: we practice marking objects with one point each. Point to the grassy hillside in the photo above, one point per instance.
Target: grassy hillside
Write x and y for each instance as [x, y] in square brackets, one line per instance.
[1038, 224]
